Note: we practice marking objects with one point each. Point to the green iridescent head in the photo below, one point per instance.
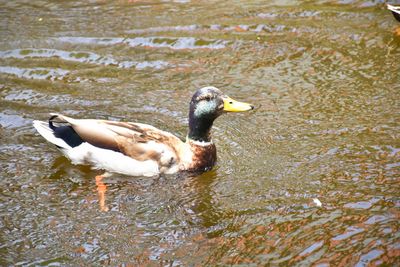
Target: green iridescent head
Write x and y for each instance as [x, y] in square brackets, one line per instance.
[207, 104]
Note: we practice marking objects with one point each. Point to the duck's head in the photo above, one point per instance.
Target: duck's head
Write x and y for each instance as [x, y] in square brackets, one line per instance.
[207, 104]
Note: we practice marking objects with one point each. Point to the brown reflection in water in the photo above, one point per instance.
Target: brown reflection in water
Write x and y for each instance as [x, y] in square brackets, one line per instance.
[62, 166]
[202, 204]
[300, 240]
[101, 190]
[289, 238]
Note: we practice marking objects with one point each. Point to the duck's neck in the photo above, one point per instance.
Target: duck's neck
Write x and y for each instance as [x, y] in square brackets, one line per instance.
[199, 128]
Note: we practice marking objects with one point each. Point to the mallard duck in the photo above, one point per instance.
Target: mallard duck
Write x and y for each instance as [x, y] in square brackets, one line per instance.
[139, 149]
[395, 11]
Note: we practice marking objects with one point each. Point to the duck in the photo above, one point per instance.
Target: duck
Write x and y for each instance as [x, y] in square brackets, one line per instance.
[138, 149]
[395, 11]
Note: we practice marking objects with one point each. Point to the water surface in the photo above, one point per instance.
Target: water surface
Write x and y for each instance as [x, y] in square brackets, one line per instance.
[324, 76]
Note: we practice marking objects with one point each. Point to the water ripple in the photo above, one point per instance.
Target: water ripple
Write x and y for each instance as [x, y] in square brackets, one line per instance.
[312, 248]
[352, 230]
[311, 14]
[34, 98]
[368, 257]
[36, 73]
[214, 27]
[152, 42]
[81, 56]
[361, 204]
[11, 121]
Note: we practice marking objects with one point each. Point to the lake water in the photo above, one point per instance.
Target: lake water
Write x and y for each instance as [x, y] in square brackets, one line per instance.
[324, 77]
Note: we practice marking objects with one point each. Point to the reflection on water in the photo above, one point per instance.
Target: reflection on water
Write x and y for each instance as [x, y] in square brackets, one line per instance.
[35, 73]
[324, 78]
[153, 42]
[83, 57]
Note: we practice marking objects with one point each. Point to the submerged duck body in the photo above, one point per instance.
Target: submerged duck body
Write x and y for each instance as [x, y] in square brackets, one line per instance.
[139, 149]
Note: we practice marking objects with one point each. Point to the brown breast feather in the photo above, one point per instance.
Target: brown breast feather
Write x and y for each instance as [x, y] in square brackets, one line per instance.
[204, 157]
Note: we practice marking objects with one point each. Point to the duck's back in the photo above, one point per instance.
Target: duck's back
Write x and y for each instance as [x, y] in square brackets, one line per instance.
[123, 147]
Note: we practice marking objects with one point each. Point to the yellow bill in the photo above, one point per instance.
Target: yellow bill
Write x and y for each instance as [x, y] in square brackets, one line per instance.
[231, 105]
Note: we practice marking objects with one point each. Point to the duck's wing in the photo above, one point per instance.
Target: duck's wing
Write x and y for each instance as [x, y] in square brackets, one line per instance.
[136, 140]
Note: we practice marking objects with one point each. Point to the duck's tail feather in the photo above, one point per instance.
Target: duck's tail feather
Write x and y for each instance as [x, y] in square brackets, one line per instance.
[47, 130]
[395, 11]
[393, 8]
